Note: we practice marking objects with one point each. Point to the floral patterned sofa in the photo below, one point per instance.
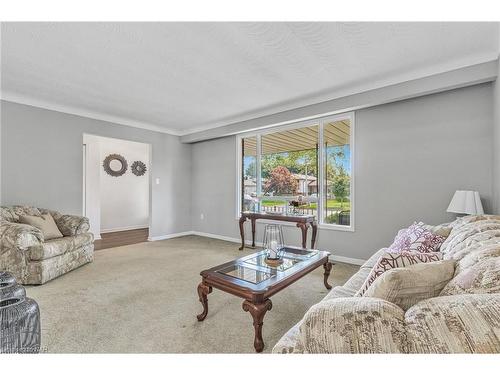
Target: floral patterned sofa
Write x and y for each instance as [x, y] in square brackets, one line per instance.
[31, 260]
[463, 318]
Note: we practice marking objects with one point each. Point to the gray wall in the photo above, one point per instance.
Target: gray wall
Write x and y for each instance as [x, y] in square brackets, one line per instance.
[42, 164]
[496, 142]
[496, 147]
[410, 158]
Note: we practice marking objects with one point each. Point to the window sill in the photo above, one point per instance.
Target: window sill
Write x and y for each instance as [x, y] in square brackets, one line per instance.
[340, 228]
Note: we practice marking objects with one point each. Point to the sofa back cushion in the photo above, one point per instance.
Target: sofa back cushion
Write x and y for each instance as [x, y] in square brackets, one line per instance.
[45, 223]
[463, 234]
[408, 285]
[7, 214]
[13, 213]
[481, 278]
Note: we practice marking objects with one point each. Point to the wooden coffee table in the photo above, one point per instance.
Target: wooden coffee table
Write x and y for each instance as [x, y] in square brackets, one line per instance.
[253, 280]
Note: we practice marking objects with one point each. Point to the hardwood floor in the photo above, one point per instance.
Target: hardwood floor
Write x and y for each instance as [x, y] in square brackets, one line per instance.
[126, 237]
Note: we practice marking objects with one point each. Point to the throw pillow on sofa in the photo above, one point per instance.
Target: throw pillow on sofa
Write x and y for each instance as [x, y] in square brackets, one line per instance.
[409, 285]
[419, 237]
[481, 278]
[45, 223]
[390, 260]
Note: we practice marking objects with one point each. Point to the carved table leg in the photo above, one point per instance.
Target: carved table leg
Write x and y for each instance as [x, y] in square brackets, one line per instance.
[203, 291]
[253, 232]
[303, 227]
[314, 226]
[258, 311]
[242, 232]
[328, 267]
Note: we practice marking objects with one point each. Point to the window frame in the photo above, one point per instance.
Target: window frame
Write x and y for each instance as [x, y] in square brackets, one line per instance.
[319, 121]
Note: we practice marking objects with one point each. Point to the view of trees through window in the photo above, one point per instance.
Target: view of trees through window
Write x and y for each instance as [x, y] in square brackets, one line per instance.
[289, 164]
[337, 190]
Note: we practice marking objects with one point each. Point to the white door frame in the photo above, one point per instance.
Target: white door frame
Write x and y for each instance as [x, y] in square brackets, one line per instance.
[91, 181]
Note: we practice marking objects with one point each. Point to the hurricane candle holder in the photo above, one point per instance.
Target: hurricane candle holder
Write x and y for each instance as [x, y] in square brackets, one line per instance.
[273, 242]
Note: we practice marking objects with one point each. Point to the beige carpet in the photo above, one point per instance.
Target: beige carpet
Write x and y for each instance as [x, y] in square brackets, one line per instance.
[142, 298]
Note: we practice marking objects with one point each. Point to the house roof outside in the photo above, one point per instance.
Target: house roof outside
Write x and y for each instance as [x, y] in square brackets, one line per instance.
[297, 176]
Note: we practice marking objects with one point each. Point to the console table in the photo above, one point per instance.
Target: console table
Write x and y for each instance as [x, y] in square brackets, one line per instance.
[303, 222]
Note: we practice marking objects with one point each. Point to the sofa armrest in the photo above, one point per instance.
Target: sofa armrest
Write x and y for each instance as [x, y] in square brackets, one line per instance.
[69, 225]
[353, 325]
[20, 236]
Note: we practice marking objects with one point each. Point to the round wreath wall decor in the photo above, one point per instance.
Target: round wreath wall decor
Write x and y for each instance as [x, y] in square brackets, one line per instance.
[115, 165]
[138, 168]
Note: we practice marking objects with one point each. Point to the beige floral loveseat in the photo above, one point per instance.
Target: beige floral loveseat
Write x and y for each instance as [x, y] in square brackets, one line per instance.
[463, 318]
[31, 259]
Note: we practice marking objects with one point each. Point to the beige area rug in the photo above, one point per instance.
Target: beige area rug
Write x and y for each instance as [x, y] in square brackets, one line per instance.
[143, 299]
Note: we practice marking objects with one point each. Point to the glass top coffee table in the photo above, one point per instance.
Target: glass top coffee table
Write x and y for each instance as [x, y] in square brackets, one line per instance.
[252, 279]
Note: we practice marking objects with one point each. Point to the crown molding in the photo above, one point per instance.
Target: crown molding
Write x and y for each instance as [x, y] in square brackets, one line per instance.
[10, 96]
[430, 84]
[347, 91]
[465, 74]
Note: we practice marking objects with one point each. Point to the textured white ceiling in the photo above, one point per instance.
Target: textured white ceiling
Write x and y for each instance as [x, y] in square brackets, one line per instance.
[188, 76]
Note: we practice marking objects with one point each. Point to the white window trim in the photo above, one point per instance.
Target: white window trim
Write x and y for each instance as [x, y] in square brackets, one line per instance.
[320, 122]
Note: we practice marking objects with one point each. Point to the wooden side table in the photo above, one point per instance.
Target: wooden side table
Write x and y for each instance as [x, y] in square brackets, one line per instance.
[303, 222]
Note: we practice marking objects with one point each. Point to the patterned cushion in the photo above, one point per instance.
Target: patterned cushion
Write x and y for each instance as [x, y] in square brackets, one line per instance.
[406, 237]
[408, 285]
[352, 325]
[39, 272]
[482, 277]
[51, 248]
[25, 210]
[461, 236]
[389, 261]
[59, 246]
[418, 237]
[19, 236]
[441, 229]
[467, 323]
[8, 214]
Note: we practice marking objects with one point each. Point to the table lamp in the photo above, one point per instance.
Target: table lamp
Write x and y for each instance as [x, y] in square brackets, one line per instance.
[466, 202]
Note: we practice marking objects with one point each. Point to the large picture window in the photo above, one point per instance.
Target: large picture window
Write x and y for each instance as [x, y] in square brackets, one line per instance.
[302, 168]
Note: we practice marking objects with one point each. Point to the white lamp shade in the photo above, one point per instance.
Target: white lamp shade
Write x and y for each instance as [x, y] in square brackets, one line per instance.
[466, 202]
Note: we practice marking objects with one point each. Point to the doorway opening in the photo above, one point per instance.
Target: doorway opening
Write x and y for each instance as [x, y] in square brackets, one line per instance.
[117, 190]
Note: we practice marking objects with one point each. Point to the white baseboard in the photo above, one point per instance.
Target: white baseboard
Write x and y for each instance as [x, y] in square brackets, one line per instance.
[122, 229]
[224, 238]
[335, 258]
[169, 236]
[338, 258]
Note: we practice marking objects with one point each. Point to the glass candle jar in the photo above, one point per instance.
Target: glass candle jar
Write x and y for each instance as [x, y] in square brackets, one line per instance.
[273, 241]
